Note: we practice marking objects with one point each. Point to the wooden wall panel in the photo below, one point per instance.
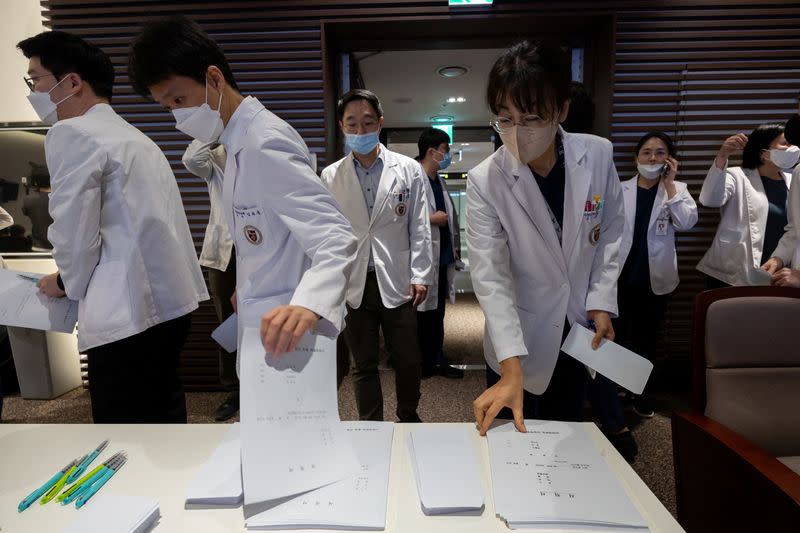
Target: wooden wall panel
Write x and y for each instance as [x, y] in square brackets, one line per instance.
[699, 70]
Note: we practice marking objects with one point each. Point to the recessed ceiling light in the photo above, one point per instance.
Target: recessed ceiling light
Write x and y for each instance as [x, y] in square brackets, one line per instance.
[452, 71]
[464, 144]
[442, 118]
[456, 99]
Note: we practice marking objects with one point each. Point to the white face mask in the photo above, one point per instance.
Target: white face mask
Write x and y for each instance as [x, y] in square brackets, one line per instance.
[785, 159]
[45, 107]
[201, 123]
[526, 143]
[651, 172]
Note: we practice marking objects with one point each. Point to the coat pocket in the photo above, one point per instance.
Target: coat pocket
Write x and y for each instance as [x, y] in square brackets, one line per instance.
[108, 304]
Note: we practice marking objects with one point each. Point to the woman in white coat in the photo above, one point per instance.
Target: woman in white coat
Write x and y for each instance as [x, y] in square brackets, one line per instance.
[544, 225]
[753, 199]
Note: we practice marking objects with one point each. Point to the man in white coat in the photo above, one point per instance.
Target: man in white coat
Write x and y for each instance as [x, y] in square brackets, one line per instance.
[544, 225]
[382, 193]
[119, 234]
[433, 157]
[294, 249]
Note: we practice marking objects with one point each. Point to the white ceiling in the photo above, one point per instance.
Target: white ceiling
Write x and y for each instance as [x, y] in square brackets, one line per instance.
[411, 91]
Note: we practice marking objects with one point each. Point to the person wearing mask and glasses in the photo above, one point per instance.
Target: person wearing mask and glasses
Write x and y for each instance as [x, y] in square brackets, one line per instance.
[544, 224]
[753, 199]
[382, 194]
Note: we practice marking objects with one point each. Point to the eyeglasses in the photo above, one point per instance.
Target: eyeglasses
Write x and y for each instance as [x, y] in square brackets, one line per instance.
[505, 125]
[31, 81]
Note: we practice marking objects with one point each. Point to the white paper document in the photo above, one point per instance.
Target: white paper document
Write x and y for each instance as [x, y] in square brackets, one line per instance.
[554, 476]
[227, 333]
[357, 502]
[218, 483]
[445, 465]
[292, 438]
[22, 305]
[618, 364]
[107, 512]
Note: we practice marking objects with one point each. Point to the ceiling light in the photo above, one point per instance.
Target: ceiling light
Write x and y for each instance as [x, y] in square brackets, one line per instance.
[456, 99]
[442, 118]
[464, 144]
[452, 71]
[461, 99]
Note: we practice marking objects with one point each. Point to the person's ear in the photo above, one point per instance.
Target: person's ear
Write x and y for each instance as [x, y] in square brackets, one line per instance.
[215, 78]
[380, 123]
[73, 81]
[564, 112]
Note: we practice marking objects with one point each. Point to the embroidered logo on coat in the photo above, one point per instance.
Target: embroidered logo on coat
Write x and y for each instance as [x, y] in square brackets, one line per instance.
[594, 235]
[252, 234]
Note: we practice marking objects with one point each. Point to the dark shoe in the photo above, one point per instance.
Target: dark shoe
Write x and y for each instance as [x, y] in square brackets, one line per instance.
[429, 371]
[228, 408]
[625, 445]
[413, 419]
[642, 407]
[449, 372]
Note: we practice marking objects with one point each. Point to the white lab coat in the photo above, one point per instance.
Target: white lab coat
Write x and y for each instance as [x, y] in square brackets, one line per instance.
[119, 233]
[432, 299]
[289, 235]
[398, 233]
[789, 246]
[525, 281]
[738, 245]
[5, 219]
[206, 161]
[679, 212]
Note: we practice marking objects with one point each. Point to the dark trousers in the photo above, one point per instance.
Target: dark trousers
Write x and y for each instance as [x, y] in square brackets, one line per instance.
[362, 334]
[430, 327]
[714, 283]
[606, 405]
[564, 398]
[135, 380]
[223, 285]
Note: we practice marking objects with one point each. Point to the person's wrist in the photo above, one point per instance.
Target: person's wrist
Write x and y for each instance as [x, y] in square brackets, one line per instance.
[511, 368]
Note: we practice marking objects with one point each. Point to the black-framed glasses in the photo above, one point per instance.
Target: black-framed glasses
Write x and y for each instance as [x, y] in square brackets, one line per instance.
[505, 125]
[30, 81]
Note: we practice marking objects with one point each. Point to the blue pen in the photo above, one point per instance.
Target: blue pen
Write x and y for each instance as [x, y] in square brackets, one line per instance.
[97, 485]
[29, 278]
[86, 462]
[33, 496]
[83, 485]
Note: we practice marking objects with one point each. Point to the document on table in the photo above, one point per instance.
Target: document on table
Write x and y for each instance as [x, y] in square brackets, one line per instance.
[227, 333]
[292, 438]
[553, 476]
[22, 305]
[218, 483]
[618, 364]
[356, 502]
[445, 465]
[112, 512]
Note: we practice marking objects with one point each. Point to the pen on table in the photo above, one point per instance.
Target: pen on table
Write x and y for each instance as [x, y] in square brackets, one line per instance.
[29, 278]
[89, 479]
[33, 496]
[97, 485]
[87, 461]
[55, 489]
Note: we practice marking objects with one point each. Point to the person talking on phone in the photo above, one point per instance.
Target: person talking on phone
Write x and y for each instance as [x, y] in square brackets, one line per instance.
[656, 206]
[752, 199]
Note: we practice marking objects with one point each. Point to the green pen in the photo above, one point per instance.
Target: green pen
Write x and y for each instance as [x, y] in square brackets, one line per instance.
[78, 484]
[88, 480]
[50, 494]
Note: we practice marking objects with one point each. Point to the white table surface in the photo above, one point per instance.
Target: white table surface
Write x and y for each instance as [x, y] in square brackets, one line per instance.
[163, 458]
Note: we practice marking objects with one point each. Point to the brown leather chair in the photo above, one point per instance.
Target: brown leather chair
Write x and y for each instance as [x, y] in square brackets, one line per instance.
[737, 454]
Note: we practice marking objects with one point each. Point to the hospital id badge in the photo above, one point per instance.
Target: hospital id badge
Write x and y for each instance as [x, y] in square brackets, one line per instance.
[661, 226]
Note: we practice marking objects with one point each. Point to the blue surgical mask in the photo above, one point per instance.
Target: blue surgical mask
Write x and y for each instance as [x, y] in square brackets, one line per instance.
[361, 144]
[444, 163]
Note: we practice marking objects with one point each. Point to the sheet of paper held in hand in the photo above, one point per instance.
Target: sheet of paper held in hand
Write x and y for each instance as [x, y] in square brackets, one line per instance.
[22, 305]
[292, 438]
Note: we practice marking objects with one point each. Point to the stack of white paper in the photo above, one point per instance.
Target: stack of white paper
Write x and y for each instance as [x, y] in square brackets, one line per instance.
[121, 514]
[22, 305]
[445, 465]
[553, 476]
[357, 502]
[218, 483]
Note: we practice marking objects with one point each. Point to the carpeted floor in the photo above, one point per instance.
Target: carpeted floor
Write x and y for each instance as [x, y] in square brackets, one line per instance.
[443, 400]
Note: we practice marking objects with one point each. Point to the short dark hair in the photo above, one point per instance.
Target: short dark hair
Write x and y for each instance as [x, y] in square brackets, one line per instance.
[580, 116]
[759, 140]
[536, 76]
[174, 46]
[660, 135]
[358, 94]
[63, 53]
[792, 130]
[431, 138]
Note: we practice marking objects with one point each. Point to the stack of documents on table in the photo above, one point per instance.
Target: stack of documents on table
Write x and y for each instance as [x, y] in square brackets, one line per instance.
[356, 502]
[445, 465]
[218, 483]
[553, 477]
[120, 514]
[22, 305]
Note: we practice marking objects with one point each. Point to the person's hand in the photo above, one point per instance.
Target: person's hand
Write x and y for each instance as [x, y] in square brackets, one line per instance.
[786, 277]
[731, 145]
[233, 302]
[602, 327]
[283, 327]
[48, 285]
[417, 293]
[773, 265]
[439, 218]
[669, 177]
[507, 392]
